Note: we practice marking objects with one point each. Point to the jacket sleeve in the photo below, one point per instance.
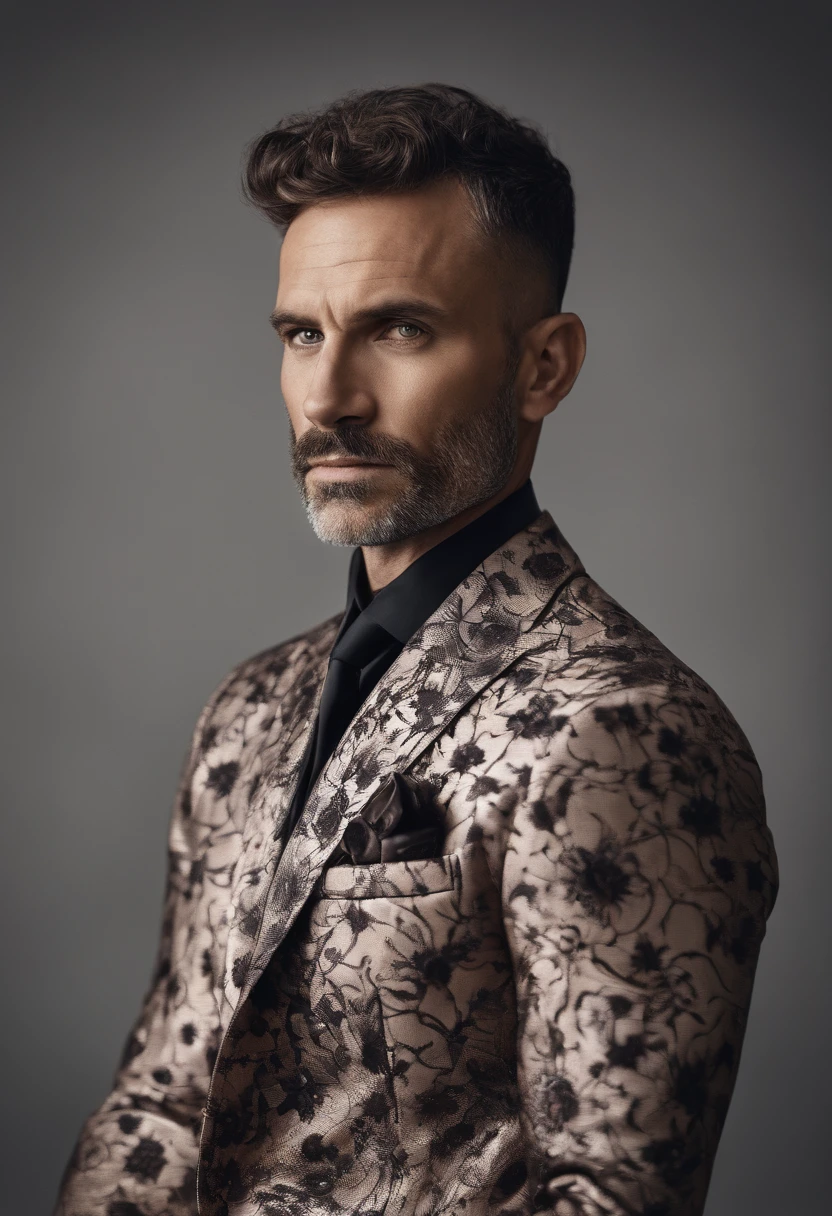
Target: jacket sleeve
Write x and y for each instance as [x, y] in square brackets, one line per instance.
[137, 1153]
[637, 883]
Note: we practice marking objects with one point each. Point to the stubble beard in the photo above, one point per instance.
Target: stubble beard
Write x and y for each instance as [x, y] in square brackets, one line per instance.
[471, 461]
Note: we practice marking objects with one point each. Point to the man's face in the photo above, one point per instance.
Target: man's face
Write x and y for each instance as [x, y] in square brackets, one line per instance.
[397, 371]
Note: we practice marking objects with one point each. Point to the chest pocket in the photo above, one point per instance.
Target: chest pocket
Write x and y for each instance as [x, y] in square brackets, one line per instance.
[392, 879]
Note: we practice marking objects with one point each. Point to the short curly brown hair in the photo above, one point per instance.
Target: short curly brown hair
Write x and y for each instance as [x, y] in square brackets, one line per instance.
[398, 139]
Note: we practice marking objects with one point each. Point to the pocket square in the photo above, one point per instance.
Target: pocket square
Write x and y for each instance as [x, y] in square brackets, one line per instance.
[398, 824]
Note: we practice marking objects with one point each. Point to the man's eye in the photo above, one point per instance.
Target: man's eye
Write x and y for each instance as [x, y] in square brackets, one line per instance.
[305, 337]
[405, 330]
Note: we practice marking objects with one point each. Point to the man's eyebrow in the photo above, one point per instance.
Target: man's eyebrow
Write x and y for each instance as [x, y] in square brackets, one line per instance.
[405, 306]
[408, 306]
[281, 319]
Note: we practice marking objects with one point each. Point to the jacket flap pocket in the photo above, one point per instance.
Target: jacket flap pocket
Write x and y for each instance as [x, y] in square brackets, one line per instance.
[391, 879]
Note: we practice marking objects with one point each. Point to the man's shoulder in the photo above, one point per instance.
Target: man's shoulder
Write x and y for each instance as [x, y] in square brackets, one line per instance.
[613, 714]
[600, 662]
[266, 675]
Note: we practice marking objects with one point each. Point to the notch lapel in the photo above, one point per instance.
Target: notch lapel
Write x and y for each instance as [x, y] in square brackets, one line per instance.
[273, 779]
[480, 629]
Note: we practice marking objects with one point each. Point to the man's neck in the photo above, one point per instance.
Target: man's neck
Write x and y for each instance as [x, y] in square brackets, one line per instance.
[383, 563]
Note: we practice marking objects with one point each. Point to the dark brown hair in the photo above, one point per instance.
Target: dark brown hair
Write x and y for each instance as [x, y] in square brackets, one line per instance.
[393, 140]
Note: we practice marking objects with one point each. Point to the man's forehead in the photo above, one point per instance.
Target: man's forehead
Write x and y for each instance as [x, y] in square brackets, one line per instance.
[335, 262]
[395, 236]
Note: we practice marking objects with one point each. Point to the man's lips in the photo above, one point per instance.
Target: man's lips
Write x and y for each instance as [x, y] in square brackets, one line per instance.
[344, 466]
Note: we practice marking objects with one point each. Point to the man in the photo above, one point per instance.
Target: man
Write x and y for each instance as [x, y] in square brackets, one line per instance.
[467, 884]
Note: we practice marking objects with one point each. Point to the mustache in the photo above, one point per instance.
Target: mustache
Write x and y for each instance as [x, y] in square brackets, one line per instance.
[350, 440]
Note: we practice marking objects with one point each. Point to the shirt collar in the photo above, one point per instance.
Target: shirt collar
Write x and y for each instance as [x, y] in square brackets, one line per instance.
[404, 604]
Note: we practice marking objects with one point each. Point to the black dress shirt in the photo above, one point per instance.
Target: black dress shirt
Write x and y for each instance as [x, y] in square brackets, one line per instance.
[376, 628]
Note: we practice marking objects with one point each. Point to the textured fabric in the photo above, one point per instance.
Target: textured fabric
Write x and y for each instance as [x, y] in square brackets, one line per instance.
[374, 630]
[546, 1017]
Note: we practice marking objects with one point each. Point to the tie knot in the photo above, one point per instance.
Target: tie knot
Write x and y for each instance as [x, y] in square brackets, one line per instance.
[363, 641]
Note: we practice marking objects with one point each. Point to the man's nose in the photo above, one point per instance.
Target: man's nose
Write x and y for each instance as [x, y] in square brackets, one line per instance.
[337, 393]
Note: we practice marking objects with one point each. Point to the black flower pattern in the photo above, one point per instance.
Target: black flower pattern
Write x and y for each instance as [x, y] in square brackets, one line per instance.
[146, 1160]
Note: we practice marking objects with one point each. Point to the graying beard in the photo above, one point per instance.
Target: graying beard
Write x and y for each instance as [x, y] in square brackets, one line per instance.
[478, 460]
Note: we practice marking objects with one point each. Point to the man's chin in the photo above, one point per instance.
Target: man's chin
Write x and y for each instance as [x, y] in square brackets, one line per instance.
[343, 521]
[374, 520]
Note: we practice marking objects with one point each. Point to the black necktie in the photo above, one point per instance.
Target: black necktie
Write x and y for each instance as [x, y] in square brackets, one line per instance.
[358, 651]
[363, 642]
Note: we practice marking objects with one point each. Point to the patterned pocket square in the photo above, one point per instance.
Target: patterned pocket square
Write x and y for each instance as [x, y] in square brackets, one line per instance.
[397, 824]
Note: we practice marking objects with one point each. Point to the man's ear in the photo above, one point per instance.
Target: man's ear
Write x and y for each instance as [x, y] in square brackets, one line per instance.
[553, 352]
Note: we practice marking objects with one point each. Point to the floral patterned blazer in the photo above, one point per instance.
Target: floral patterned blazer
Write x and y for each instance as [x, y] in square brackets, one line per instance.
[546, 1016]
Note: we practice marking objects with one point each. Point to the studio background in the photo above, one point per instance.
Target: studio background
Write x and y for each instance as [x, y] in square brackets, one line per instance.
[154, 537]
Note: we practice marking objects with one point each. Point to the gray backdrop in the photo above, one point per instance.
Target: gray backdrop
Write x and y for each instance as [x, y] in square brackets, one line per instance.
[154, 538]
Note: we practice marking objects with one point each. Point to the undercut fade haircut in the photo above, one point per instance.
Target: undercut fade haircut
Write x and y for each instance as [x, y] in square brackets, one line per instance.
[395, 140]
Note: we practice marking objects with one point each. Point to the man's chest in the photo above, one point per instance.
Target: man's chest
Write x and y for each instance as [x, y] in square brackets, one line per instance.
[470, 778]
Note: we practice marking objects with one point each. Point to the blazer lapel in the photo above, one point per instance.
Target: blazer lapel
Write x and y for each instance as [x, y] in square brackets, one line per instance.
[273, 780]
[483, 627]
